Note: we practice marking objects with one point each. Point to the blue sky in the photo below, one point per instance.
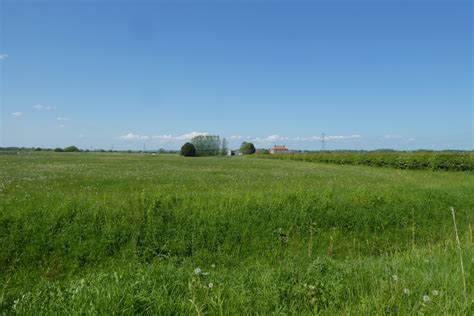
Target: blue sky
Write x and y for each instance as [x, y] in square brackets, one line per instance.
[368, 74]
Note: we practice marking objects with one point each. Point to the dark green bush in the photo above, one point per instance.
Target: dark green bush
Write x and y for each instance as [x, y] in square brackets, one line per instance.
[188, 150]
[247, 148]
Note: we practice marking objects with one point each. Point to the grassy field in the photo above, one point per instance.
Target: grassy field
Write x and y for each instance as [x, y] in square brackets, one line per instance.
[133, 233]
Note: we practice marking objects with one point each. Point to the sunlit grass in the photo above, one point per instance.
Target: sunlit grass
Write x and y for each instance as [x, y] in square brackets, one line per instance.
[125, 233]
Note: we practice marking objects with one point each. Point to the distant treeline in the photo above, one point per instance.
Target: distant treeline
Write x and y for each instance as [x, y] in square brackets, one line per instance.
[15, 150]
[430, 160]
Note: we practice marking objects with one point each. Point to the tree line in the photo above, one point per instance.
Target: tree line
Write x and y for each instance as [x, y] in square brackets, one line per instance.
[212, 145]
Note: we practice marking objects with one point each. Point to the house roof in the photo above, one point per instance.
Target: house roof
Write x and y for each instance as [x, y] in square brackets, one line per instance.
[280, 147]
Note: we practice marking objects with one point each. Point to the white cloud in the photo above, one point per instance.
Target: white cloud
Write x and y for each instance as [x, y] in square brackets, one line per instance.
[270, 139]
[265, 140]
[342, 137]
[17, 114]
[298, 139]
[3, 56]
[132, 136]
[187, 136]
[40, 107]
[191, 135]
[389, 136]
[61, 125]
[163, 137]
[62, 119]
[398, 137]
[329, 137]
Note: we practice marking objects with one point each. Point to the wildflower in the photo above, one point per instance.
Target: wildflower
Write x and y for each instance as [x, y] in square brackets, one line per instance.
[197, 270]
[395, 278]
[213, 265]
[435, 292]
[211, 285]
[406, 291]
[426, 298]
[311, 287]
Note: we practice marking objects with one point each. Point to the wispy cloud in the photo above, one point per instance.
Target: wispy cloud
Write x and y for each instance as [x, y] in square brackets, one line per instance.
[271, 138]
[278, 138]
[390, 136]
[187, 136]
[41, 107]
[3, 56]
[262, 140]
[132, 136]
[17, 114]
[62, 119]
[342, 137]
[164, 137]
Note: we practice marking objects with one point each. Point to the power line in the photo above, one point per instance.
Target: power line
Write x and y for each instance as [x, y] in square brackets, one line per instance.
[322, 142]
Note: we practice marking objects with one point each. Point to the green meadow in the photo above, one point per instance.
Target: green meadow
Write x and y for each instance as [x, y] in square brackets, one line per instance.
[109, 233]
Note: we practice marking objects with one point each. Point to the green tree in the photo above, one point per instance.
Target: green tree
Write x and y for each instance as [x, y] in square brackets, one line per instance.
[188, 150]
[58, 150]
[247, 148]
[71, 149]
[224, 147]
[207, 145]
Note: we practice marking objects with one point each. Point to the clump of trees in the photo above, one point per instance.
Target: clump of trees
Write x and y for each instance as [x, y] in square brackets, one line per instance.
[71, 149]
[247, 148]
[209, 145]
[188, 150]
[212, 145]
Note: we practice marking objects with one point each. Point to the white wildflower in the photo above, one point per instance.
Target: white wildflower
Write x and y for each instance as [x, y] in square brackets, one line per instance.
[435, 292]
[426, 298]
[406, 291]
[213, 265]
[395, 278]
[197, 270]
[211, 285]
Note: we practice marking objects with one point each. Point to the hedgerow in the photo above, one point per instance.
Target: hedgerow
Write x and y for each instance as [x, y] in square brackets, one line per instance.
[398, 160]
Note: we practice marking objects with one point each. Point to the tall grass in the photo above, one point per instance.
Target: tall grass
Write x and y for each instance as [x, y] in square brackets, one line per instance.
[111, 233]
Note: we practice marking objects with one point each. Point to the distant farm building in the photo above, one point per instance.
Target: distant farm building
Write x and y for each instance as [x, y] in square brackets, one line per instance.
[279, 150]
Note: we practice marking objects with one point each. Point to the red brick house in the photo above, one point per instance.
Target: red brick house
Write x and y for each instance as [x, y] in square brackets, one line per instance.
[279, 150]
